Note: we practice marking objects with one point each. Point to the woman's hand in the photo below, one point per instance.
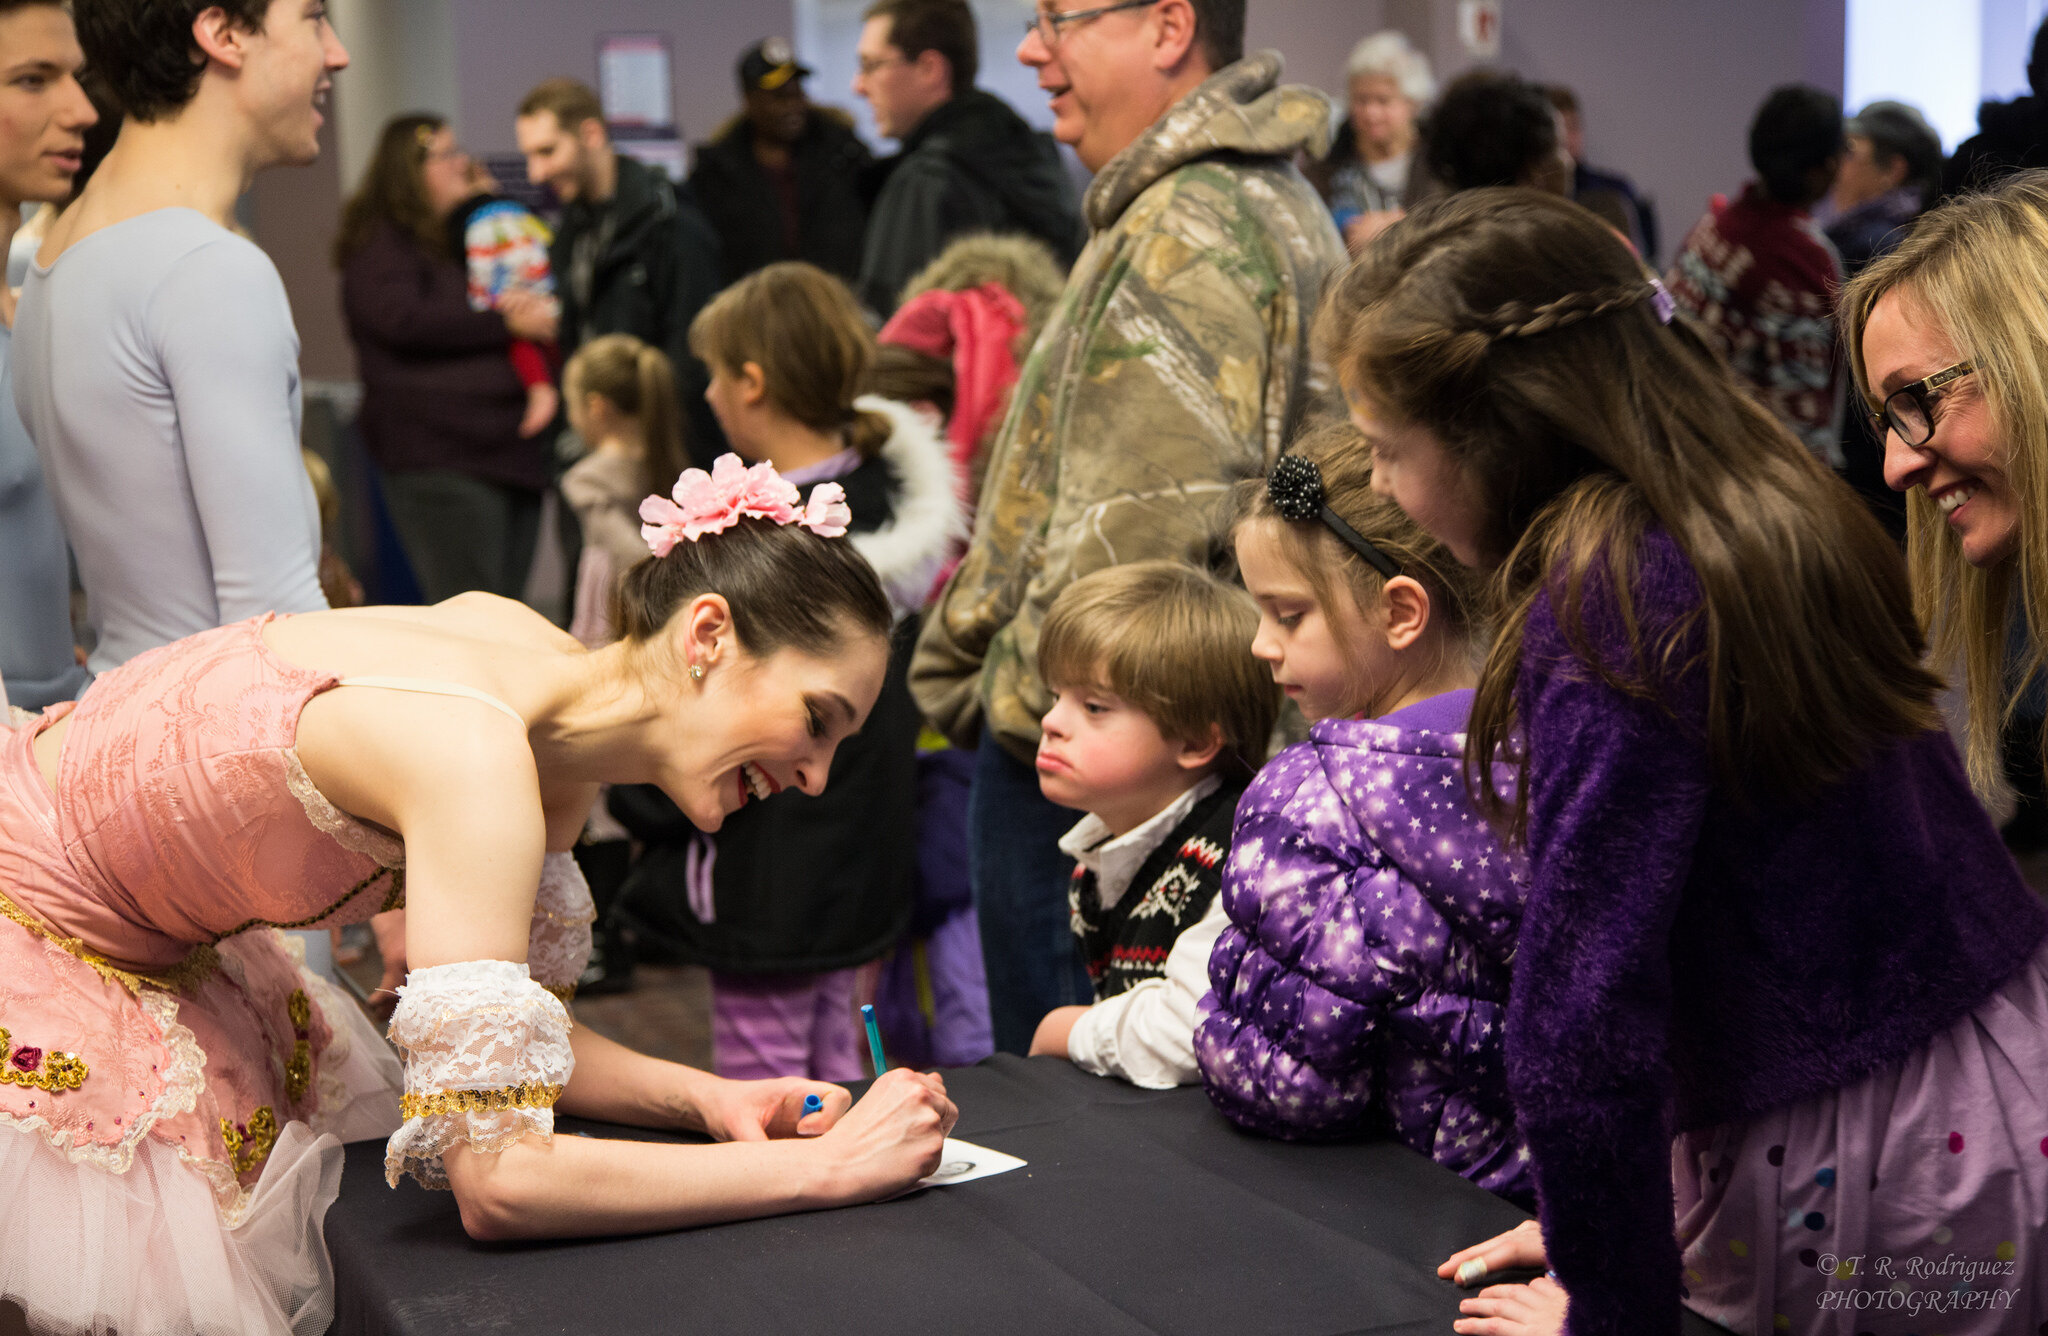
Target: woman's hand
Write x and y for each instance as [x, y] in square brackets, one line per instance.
[1535, 1309]
[1359, 231]
[529, 315]
[1521, 1246]
[769, 1110]
[892, 1138]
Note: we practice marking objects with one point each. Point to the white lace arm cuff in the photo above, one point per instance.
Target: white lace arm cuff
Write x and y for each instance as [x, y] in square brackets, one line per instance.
[486, 1054]
[558, 942]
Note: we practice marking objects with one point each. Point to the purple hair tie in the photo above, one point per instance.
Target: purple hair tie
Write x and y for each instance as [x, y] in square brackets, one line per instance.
[1661, 302]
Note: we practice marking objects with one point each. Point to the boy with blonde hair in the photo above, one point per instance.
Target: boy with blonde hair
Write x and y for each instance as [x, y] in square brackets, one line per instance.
[1160, 718]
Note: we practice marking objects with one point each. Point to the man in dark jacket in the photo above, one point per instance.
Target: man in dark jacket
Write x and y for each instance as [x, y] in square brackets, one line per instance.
[781, 180]
[633, 255]
[2011, 136]
[969, 163]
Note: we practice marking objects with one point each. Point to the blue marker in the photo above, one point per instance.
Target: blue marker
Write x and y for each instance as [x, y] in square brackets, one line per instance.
[811, 1105]
[867, 1015]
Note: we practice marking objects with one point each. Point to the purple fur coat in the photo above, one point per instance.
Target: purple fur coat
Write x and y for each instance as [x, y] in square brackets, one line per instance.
[1689, 959]
[1362, 983]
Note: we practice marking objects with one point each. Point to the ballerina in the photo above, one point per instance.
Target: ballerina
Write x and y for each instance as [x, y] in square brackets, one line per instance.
[177, 1086]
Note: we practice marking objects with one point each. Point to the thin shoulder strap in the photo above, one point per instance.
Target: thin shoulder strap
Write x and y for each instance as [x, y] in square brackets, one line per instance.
[425, 687]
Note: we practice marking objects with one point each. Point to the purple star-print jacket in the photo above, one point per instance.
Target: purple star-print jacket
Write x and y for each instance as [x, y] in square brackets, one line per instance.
[1363, 980]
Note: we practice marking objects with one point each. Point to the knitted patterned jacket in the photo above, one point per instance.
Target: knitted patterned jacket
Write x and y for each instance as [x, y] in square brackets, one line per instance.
[1128, 943]
[1363, 980]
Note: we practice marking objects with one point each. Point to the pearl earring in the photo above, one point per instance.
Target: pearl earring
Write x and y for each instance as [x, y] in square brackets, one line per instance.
[696, 672]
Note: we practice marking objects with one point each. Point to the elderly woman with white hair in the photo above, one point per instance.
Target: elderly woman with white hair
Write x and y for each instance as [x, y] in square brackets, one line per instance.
[1373, 171]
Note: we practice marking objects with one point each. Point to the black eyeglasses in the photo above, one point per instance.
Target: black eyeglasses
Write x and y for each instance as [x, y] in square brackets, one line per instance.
[1048, 22]
[1909, 410]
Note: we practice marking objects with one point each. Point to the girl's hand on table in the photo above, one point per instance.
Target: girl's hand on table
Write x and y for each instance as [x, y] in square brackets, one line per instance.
[1535, 1309]
[769, 1110]
[1521, 1246]
[892, 1138]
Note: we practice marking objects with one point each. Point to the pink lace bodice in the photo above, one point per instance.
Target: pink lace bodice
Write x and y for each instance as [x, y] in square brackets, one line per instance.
[185, 811]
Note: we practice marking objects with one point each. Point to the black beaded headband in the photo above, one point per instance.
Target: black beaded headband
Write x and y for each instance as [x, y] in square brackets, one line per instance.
[1295, 487]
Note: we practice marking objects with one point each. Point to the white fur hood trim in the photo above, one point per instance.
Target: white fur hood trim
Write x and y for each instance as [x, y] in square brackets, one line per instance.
[928, 522]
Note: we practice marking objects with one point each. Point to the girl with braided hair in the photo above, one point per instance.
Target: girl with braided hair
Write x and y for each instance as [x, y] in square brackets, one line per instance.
[1777, 979]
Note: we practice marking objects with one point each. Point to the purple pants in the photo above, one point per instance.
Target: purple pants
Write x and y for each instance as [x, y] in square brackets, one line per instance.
[768, 1025]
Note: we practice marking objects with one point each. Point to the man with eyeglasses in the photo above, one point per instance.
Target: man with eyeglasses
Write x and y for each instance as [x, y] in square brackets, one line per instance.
[1176, 364]
[969, 162]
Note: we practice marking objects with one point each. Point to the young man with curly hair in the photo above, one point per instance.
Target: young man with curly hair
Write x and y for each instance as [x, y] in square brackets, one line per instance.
[156, 363]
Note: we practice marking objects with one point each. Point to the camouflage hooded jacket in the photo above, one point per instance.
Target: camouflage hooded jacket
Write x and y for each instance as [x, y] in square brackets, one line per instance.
[1175, 364]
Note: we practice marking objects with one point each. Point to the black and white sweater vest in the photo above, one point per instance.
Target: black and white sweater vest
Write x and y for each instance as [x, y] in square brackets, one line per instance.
[1128, 943]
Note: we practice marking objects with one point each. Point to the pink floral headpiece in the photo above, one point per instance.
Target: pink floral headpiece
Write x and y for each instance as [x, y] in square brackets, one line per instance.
[713, 502]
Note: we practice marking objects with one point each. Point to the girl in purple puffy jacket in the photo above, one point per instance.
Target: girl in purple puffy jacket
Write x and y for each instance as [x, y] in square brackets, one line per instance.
[1363, 978]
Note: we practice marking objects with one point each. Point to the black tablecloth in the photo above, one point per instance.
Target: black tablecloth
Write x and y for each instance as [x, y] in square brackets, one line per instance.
[1139, 1212]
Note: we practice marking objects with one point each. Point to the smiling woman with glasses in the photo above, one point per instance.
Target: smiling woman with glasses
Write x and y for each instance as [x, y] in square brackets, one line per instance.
[1948, 340]
[1909, 410]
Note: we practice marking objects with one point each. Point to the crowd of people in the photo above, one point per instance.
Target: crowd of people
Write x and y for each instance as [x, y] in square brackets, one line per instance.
[1316, 614]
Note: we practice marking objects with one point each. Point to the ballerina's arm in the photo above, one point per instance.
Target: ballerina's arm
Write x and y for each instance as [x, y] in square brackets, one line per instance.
[457, 780]
[579, 1186]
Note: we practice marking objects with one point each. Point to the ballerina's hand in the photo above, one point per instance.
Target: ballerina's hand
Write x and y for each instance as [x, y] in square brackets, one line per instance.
[770, 1110]
[1520, 1247]
[893, 1137]
[1535, 1309]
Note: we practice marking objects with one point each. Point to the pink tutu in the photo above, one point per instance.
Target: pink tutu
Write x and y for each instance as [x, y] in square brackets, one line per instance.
[142, 1236]
[1913, 1201]
[175, 1087]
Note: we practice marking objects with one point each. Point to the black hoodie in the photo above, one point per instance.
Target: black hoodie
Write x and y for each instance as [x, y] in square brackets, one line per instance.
[972, 165]
[2011, 137]
[652, 262]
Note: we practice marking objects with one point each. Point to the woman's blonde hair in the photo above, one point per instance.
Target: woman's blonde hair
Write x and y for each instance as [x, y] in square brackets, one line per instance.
[1978, 269]
[1344, 460]
[639, 381]
[804, 329]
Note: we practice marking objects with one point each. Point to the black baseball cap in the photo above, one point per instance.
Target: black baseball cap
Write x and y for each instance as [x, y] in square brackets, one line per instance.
[769, 64]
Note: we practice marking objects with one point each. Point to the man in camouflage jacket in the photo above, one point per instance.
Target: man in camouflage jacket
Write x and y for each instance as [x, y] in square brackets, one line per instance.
[1176, 363]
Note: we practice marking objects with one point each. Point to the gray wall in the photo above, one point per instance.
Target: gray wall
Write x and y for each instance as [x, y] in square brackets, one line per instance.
[1669, 86]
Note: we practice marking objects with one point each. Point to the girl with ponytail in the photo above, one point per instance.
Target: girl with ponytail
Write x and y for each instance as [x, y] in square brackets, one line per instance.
[621, 396]
[621, 399]
[797, 894]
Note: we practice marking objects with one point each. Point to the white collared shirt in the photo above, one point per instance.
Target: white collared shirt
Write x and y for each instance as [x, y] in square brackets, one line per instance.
[1145, 1035]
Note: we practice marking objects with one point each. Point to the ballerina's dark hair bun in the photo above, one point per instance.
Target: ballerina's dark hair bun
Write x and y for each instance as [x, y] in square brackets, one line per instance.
[787, 587]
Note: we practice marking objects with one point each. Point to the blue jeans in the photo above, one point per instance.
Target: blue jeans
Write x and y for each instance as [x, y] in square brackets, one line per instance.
[1019, 877]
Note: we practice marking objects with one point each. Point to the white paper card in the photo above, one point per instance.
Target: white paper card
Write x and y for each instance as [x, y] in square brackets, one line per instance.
[963, 1162]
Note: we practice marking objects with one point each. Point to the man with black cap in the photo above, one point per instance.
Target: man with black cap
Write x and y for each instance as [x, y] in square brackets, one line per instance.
[781, 180]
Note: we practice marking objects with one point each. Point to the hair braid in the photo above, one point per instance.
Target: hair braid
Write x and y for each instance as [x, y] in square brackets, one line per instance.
[1515, 320]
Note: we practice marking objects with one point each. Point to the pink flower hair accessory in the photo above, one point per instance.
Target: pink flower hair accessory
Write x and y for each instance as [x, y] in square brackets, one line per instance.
[702, 503]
